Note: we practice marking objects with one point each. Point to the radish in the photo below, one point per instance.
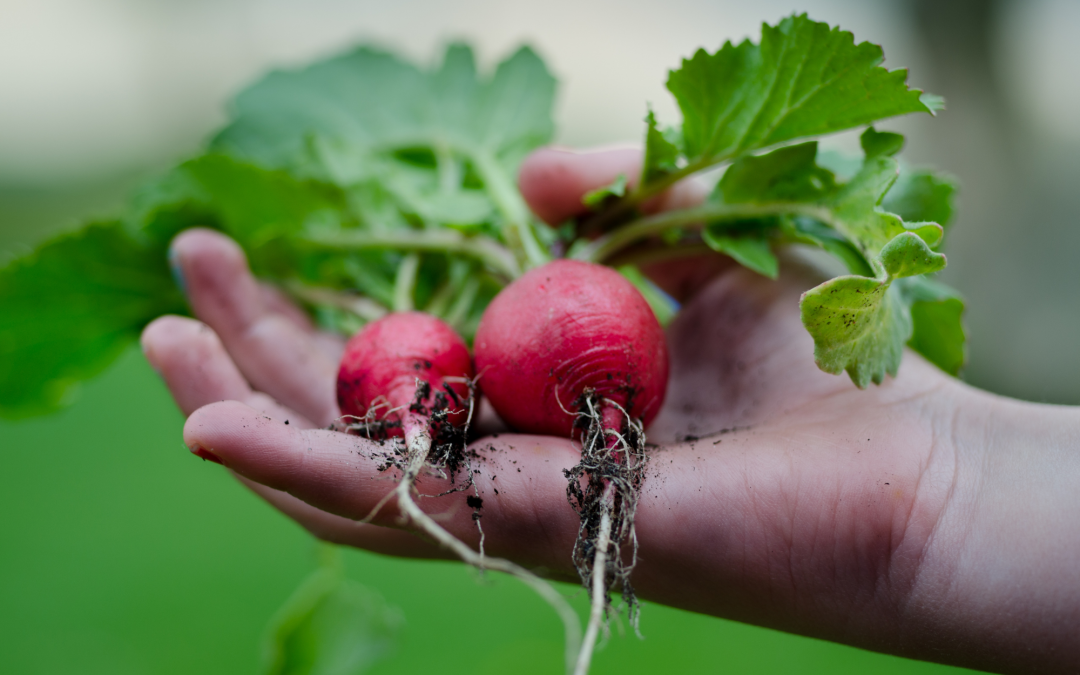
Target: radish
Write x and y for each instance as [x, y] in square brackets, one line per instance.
[409, 375]
[384, 363]
[573, 349]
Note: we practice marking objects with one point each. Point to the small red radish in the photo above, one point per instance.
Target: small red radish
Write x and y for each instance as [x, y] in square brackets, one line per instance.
[383, 362]
[572, 349]
[561, 330]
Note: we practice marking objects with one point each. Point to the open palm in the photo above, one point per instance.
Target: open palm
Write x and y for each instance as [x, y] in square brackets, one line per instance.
[777, 494]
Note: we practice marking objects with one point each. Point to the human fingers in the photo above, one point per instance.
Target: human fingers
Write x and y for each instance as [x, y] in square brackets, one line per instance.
[553, 181]
[275, 355]
[346, 531]
[276, 302]
[192, 360]
[524, 511]
[197, 371]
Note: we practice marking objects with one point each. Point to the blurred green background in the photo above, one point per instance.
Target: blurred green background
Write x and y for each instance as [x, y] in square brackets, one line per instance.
[122, 553]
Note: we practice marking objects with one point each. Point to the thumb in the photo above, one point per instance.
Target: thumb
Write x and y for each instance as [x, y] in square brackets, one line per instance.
[553, 182]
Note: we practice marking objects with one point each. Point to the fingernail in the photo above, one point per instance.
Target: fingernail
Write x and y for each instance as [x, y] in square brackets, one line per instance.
[207, 455]
[177, 272]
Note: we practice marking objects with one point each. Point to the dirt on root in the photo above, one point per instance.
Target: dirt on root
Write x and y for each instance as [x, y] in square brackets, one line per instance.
[617, 459]
[449, 457]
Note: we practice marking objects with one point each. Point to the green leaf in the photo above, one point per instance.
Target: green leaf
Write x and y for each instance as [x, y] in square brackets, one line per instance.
[855, 212]
[370, 101]
[368, 116]
[907, 255]
[933, 102]
[512, 113]
[661, 151]
[264, 210]
[788, 174]
[814, 233]
[803, 79]
[922, 195]
[251, 204]
[843, 165]
[937, 314]
[468, 308]
[357, 98]
[613, 190]
[71, 307]
[462, 209]
[330, 626]
[843, 218]
[860, 322]
[859, 325]
[751, 250]
[885, 143]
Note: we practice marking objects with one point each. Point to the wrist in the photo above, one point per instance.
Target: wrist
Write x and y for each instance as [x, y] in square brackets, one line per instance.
[999, 584]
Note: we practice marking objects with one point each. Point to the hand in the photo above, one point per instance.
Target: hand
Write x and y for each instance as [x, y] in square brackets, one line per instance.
[921, 517]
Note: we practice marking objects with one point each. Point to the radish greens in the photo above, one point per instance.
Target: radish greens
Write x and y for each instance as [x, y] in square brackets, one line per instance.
[333, 176]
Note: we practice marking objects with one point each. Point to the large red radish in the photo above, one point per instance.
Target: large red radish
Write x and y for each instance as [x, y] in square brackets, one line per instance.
[561, 330]
[573, 349]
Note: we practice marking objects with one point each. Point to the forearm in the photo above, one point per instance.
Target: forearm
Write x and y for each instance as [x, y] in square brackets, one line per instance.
[999, 585]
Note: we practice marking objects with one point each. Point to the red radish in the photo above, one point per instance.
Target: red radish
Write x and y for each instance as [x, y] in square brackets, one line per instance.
[561, 330]
[572, 348]
[383, 362]
[409, 374]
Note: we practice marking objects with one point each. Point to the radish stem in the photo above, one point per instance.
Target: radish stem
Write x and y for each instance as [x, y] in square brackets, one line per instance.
[495, 256]
[603, 248]
[405, 283]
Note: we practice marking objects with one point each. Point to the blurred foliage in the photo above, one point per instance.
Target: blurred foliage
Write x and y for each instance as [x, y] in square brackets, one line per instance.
[330, 178]
[330, 626]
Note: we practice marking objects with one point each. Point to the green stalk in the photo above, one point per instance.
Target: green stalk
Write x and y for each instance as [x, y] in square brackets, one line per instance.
[483, 249]
[519, 234]
[448, 168]
[444, 296]
[460, 309]
[649, 190]
[360, 306]
[644, 192]
[605, 247]
[405, 283]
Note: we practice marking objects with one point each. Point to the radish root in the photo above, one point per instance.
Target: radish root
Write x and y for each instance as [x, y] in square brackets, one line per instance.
[449, 450]
[598, 609]
[604, 488]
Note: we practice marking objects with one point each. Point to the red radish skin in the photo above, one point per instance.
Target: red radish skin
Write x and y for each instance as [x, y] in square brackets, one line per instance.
[564, 328]
[386, 358]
